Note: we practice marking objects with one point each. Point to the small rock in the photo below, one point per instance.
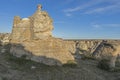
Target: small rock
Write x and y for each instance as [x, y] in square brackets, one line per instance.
[33, 67]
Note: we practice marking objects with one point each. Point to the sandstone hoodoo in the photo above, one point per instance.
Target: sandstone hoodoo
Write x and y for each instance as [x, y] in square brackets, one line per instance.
[32, 37]
[37, 26]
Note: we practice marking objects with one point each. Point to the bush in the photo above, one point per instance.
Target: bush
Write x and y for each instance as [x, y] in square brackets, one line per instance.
[23, 64]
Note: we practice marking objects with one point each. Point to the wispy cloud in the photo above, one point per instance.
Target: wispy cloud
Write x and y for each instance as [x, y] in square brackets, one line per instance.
[112, 25]
[79, 7]
[68, 14]
[96, 25]
[105, 25]
[90, 7]
[103, 9]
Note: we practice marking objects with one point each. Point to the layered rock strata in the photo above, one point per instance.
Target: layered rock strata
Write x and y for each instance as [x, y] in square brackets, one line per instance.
[32, 37]
[110, 51]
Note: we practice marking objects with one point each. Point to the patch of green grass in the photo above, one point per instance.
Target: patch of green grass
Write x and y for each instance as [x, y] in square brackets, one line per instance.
[23, 64]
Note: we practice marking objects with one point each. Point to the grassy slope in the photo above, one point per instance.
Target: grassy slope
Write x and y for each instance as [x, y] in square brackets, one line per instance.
[12, 68]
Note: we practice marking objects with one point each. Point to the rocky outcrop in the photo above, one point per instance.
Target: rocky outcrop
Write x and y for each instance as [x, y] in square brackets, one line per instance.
[42, 24]
[87, 45]
[37, 26]
[21, 29]
[50, 52]
[4, 38]
[83, 46]
[108, 50]
[32, 37]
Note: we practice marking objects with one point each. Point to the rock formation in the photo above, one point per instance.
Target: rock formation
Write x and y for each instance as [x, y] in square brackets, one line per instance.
[42, 24]
[21, 29]
[87, 45]
[32, 37]
[4, 38]
[37, 26]
[108, 50]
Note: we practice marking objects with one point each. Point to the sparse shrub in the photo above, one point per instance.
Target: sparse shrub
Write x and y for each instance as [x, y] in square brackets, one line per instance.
[19, 61]
[70, 63]
[104, 64]
[23, 64]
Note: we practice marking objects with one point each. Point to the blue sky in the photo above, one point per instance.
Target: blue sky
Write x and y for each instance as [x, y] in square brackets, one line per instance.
[75, 19]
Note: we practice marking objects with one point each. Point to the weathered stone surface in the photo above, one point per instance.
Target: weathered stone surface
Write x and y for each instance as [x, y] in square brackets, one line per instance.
[42, 24]
[85, 46]
[33, 37]
[50, 52]
[4, 38]
[37, 26]
[108, 50]
[82, 48]
[21, 30]
[70, 45]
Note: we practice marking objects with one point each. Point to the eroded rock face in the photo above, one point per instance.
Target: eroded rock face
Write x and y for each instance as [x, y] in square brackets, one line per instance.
[83, 48]
[86, 46]
[21, 29]
[50, 52]
[108, 50]
[4, 38]
[37, 26]
[42, 24]
[32, 37]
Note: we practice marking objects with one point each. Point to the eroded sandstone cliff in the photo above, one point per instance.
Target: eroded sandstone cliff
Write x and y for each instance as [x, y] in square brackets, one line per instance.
[33, 37]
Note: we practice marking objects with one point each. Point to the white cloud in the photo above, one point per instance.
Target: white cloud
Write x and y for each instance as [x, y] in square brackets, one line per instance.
[96, 26]
[86, 5]
[68, 14]
[106, 25]
[103, 9]
[112, 25]
[90, 7]
[73, 9]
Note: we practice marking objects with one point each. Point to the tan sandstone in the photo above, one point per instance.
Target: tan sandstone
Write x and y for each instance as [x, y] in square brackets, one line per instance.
[33, 37]
[109, 50]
